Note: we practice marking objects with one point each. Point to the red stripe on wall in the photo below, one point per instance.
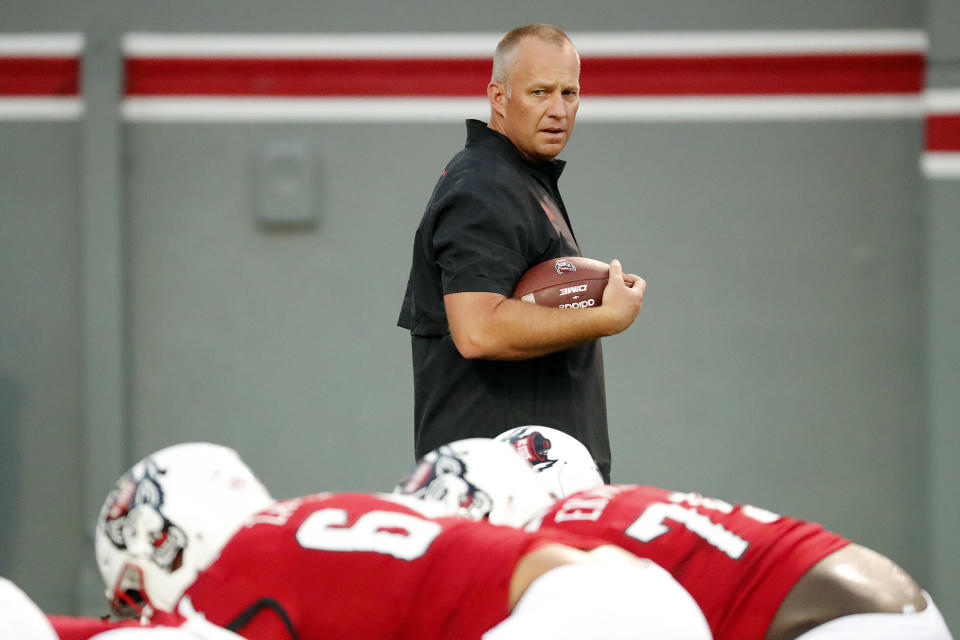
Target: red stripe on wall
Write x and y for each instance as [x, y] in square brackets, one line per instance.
[607, 76]
[39, 76]
[306, 77]
[943, 132]
[754, 75]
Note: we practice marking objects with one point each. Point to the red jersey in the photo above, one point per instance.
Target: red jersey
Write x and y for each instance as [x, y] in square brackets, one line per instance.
[361, 566]
[738, 562]
[74, 628]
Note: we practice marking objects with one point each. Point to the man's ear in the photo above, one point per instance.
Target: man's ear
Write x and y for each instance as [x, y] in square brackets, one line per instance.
[497, 94]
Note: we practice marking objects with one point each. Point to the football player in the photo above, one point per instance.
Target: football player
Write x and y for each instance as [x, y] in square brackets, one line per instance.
[755, 574]
[192, 521]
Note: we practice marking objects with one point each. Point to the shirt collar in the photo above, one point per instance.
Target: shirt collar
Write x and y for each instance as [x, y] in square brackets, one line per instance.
[478, 133]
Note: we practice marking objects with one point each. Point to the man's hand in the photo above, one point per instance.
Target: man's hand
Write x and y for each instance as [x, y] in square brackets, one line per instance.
[493, 327]
[622, 297]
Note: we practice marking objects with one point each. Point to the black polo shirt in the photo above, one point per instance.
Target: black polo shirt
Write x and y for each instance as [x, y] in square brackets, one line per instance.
[492, 216]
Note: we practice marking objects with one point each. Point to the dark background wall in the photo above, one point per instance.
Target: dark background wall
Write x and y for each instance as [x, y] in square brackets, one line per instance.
[797, 348]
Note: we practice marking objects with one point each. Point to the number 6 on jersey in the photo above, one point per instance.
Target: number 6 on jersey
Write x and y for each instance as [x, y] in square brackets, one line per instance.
[400, 535]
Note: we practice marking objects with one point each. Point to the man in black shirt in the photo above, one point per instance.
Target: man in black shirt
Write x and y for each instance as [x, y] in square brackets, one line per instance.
[484, 362]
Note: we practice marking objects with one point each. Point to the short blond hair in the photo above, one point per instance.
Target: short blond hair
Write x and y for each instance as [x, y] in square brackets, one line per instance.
[508, 43]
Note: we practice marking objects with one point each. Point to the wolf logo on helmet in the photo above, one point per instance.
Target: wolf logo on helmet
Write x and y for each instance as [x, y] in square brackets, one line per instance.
[137, 504]
[479, 478]
[532, 446]
[568, 468]
[443, 479]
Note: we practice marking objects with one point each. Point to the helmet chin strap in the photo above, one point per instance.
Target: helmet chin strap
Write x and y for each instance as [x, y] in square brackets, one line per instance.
[185, 608]
[145, 614]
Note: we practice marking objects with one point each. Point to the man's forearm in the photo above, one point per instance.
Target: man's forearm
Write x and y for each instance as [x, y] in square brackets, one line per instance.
[515, 330]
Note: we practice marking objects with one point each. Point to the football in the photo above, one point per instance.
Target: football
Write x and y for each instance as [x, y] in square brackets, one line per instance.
[568, 283]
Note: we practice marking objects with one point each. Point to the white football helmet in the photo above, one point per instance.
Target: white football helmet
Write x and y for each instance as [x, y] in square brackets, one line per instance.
[560, 460]
[167, 519]
[478, 478]
[20, 617]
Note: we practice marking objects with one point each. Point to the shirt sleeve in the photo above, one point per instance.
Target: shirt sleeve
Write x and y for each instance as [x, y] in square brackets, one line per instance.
[479, 240]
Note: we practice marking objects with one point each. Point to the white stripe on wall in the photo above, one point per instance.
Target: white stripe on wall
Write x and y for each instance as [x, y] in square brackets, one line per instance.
[40, 44]
[787, 107]
[456, 109]
[304, 109]
[481, 45]
[942, 100]
[41, 108]
[751, 42]
[941, 165]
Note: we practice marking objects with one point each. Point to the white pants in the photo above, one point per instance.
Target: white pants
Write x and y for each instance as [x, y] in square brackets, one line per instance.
[167, 633]
[921, 625]
[613, 601]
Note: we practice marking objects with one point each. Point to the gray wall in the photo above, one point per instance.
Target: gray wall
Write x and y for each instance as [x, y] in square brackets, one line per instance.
[944, 375]
[40, 350]
[797, 347]
[495, 15]
[943, 344]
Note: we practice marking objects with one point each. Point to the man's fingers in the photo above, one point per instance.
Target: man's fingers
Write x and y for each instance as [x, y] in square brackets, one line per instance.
[629, 279]
[616, 269]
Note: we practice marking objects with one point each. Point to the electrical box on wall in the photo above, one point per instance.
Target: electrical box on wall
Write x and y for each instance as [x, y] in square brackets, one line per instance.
[283, 185]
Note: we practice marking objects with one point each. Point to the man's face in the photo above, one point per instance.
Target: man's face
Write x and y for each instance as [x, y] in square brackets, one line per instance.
[538, 112]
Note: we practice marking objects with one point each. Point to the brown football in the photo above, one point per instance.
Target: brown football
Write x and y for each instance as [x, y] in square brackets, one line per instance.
[570, 282]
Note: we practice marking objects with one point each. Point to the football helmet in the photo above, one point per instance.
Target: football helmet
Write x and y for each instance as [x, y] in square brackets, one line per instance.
[20, 617]
[478, 478]
[167, 519]
[560, 460]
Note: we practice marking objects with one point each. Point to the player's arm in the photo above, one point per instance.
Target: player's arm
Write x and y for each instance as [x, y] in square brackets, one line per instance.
[537, 562]
[493, 327]
[550, 556]
[563, 593]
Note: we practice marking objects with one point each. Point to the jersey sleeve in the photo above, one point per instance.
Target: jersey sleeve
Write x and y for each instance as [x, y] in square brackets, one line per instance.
[479, 240]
